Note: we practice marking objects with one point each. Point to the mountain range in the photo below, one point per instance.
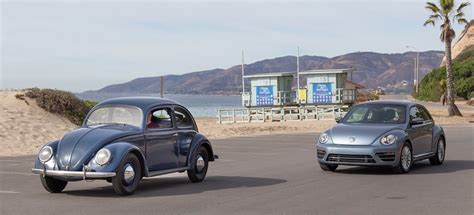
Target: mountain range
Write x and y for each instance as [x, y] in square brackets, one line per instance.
[372, 70]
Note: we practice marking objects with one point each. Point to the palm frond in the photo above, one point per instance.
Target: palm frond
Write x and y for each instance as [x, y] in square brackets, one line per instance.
[436, 17]
[429, 21]
[461, 6]
[433, 7]
[462, 21]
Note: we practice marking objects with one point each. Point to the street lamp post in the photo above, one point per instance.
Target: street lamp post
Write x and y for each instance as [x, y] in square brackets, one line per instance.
[416, 72]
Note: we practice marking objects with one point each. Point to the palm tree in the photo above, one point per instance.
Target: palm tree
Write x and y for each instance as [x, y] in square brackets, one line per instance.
[447, 14]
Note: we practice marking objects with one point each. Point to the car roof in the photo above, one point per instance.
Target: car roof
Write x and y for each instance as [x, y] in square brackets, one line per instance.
[142, 102]
[392, 102]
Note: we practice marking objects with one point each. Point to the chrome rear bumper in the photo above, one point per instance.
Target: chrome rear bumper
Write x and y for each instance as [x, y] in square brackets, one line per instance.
[83, 174]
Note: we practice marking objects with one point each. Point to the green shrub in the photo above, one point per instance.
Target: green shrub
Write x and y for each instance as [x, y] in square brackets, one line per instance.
[61, 102]
[463, 66]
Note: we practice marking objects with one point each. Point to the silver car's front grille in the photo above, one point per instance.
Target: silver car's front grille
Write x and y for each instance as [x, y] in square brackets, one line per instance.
[350, 158]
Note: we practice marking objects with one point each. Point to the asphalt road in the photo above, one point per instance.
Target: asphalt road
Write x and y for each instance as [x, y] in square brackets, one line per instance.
[263, 175]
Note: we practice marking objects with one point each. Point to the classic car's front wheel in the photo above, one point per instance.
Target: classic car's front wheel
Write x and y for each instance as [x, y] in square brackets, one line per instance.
[53, 185]
[128, 176]
[200, 164]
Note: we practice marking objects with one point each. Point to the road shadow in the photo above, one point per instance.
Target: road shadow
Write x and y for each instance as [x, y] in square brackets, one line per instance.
[175, 186]
[423, 167]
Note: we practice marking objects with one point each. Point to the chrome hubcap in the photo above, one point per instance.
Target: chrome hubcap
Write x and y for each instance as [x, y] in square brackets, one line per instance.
[406, 157]
[200, 163]
[440, 150]
[128, 173]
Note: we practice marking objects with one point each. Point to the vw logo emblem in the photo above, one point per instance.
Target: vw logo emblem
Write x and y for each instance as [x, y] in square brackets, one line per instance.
[352, 139]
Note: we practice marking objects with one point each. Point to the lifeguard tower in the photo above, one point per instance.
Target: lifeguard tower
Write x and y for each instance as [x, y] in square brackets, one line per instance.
[328, 94]
[330, 86]
[269, 89]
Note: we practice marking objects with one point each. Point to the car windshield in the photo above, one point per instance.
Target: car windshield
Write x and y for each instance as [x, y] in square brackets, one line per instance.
[116, 115]
[376, 113]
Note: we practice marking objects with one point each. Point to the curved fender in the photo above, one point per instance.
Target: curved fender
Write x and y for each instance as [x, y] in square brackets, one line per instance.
[50, 164]
[118, 150]
[438, 131]
[199, 140]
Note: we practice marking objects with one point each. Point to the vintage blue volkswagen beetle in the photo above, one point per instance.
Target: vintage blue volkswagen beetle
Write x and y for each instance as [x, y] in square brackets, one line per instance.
[123, 140]
[382, 133]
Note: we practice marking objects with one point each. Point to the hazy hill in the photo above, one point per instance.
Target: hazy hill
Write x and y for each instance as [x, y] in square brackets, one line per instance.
[373, 70]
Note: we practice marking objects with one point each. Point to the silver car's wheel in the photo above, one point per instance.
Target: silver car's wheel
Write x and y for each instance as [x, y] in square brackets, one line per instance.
[438, 158]
[406, 159]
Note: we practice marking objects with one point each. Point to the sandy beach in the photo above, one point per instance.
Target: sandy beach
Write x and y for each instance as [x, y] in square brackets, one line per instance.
[24, 128]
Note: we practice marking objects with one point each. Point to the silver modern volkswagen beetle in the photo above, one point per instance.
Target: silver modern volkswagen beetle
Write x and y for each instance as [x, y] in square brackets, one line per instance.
[382, 133]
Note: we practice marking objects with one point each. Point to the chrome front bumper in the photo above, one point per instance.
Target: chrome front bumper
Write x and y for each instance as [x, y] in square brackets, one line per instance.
[83, 174]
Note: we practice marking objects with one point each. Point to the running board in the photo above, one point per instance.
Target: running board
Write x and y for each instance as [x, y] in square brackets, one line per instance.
[423, 156]
[167, 171]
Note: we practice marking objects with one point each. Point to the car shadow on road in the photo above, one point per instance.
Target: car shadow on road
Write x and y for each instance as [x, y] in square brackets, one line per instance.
[423, 167]
[174, 186]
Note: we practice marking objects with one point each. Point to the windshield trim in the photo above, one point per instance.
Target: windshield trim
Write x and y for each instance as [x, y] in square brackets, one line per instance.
[114, 105]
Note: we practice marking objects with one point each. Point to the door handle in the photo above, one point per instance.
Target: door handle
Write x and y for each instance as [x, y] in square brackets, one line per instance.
[175, 135]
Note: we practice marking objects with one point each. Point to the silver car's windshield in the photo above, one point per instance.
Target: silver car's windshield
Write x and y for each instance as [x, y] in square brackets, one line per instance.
[116, 115]
[376, 113]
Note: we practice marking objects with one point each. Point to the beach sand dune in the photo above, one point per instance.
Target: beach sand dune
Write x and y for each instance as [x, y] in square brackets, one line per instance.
[25, 127]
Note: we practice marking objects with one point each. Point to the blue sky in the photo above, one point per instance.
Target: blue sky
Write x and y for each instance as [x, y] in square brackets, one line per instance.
[83, 45]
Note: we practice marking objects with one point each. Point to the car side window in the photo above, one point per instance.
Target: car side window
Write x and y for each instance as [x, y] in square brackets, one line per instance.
[159, 119]
[425, 115]
[182, 118]
[417, 114]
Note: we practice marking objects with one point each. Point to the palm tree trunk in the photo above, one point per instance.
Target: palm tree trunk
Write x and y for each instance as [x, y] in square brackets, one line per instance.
[452, 108]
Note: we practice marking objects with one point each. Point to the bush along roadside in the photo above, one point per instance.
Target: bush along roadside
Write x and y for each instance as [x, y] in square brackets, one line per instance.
[432, 89]
[61, 102]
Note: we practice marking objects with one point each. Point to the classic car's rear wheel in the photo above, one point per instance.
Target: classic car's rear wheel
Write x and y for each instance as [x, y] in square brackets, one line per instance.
[53, 185]
[406, 160]
[200, 164]
[128, 176]
[328, 167]
[438, 158]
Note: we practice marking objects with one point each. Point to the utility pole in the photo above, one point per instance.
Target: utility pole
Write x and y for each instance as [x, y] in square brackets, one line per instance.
[161, 86]
[298, 75]
[416, 77]
[243, 72]
[417, 71]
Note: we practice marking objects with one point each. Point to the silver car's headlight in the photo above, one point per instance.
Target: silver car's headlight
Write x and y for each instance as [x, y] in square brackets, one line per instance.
[45, 154]
[324, 138]
[388, 139]
[102, 157]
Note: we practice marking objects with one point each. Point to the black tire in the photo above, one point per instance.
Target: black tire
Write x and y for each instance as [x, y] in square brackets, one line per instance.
[440, 154]
[328, 167]
[53, 185]
[121, 185]
[403, 167]
[197, 174]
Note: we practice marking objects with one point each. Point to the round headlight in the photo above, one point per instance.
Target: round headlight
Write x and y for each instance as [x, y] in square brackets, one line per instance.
[324, 138]
[102, 157]
[45, 154]
[388, 139]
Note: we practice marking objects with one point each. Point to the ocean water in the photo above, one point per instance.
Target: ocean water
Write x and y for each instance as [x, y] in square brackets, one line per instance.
[199, 105]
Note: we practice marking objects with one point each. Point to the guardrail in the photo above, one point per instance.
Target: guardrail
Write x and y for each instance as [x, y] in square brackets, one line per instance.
[272, 114]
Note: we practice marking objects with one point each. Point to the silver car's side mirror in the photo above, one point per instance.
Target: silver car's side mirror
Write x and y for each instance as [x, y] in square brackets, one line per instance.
[338, 119]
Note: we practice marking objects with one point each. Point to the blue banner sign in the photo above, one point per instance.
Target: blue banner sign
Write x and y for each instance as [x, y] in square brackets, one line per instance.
[264, 95]
[322, 92]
